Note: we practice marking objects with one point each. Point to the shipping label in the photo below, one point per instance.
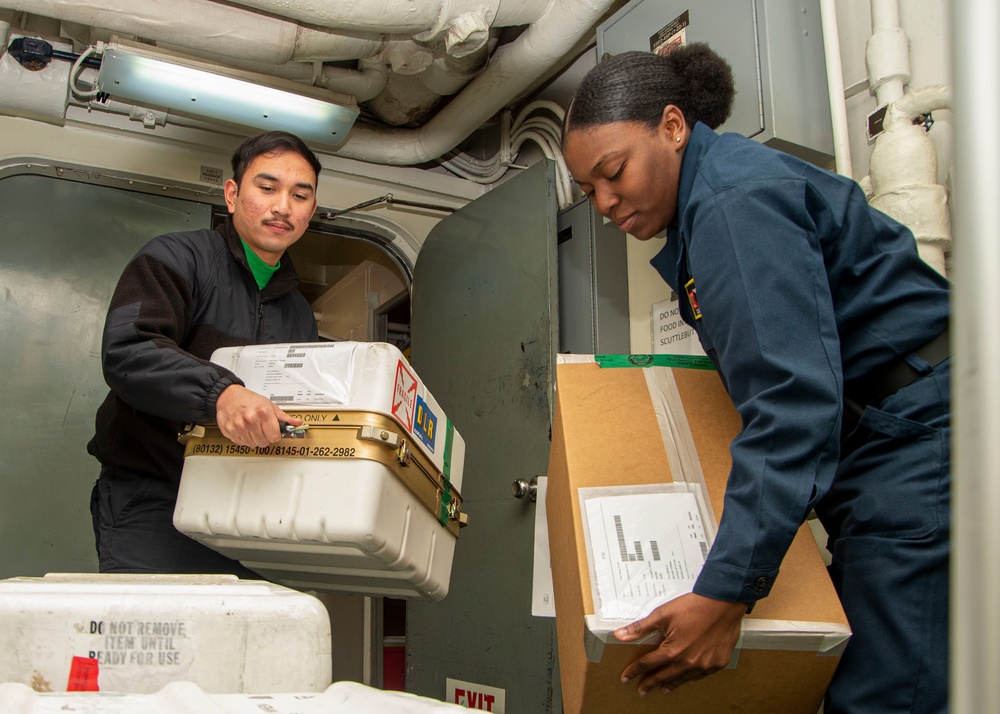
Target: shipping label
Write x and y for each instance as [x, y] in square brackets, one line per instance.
[404, 398]
[425, 424]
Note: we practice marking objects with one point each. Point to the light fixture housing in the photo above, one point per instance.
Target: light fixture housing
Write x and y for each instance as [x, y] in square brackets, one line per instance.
[181, 85]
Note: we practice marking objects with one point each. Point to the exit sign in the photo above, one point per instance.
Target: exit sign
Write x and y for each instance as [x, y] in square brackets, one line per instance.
[475, 696]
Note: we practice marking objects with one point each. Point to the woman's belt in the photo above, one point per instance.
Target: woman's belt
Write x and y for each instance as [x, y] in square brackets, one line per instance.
[879, 385]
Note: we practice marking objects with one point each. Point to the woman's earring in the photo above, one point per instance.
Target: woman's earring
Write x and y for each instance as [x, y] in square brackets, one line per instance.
[678, 140]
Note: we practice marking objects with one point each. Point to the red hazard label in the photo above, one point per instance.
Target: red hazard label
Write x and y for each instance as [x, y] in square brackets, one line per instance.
[405, 396]
[83, 673]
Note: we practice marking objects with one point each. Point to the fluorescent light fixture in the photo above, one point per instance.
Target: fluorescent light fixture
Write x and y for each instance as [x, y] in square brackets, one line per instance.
[195, 91]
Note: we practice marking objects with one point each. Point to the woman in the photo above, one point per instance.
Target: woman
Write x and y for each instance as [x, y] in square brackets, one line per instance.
[830, 334]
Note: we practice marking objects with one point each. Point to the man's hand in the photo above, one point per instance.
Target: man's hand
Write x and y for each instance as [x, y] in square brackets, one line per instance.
[699, 635]
[248, 418]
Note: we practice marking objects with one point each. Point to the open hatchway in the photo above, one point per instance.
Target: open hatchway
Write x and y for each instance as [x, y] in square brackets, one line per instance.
[357, 284]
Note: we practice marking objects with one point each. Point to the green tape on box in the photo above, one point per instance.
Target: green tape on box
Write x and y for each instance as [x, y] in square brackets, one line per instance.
[449, 441]
[680, 361]
[445, 511]
[446, 497]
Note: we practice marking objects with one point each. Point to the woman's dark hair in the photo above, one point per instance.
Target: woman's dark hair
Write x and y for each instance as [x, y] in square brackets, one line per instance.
[277, 141]
[636, 86]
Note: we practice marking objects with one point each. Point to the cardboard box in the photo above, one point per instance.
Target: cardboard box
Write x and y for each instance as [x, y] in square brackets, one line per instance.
[609, 430]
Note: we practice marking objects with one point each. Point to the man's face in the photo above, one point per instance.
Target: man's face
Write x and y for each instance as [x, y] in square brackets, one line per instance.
[274, 203]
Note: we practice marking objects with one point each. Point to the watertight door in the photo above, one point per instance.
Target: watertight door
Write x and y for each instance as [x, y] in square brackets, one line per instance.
[484, 333]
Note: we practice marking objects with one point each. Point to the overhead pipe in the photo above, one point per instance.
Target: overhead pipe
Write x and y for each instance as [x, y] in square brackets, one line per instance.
[511, 72]
[835, 88]
[409, 97]
[903, 171]
[5, 18]
[448, 75]
[236, 32]
[903, 164]
[405, 16]
[405, 56]
[405, 100]
[887, 54]
[364, 83]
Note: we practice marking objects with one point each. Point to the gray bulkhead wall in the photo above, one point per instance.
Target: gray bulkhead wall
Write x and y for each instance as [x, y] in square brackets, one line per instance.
[63, 245]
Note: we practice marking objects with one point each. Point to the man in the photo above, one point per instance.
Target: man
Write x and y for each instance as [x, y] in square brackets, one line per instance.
[183, 296]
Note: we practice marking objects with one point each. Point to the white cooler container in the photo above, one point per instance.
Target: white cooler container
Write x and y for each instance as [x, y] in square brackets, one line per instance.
[188, 698]
[366, 499]
[137, 633]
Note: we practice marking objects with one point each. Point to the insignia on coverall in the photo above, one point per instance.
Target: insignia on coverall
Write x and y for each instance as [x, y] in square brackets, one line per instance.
[693, 298]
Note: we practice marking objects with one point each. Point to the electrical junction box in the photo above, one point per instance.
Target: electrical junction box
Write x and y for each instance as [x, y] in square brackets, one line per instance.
[775, 48]
[593, 282]
[364, 498]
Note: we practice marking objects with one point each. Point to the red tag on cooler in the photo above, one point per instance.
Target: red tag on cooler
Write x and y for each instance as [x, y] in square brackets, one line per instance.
[83, 672]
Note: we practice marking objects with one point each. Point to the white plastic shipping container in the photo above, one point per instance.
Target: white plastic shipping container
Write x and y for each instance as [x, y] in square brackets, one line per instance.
[188, 698]
[137, 633]
[365, 499]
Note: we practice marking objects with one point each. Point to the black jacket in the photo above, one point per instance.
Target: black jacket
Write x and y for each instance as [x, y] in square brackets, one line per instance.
[183, 296]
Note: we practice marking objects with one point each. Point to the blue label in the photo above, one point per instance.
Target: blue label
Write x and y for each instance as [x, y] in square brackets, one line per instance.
[425, 423]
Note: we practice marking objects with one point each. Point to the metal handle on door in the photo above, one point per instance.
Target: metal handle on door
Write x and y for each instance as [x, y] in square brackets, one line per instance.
[521, 488]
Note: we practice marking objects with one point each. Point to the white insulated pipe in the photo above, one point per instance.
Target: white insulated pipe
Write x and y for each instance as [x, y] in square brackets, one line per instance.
[401, 16]
[835, 88]
[41, 95]
[975, 553]
[903, 172]
[903, 164]
[364, 83]
[221, 30]
[408, 97]
[918, 101]
[511, 72]
[448, 75]
[887, 54]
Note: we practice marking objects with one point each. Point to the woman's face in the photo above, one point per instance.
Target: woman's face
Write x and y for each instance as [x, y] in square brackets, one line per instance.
[629, 171]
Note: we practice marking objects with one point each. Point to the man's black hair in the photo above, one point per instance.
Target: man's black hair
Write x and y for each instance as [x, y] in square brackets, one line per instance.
[271, 141]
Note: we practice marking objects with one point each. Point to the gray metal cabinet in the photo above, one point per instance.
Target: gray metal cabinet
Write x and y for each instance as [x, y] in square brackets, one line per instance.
[775, 48]
[593, 283]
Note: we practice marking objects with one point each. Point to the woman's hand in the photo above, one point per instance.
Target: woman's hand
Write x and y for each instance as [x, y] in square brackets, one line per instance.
[699, 635]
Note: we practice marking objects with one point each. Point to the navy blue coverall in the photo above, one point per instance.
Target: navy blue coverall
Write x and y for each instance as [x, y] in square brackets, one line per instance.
[798, 290]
